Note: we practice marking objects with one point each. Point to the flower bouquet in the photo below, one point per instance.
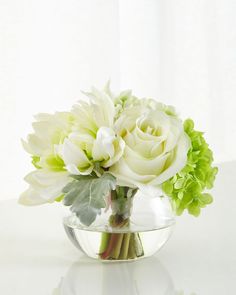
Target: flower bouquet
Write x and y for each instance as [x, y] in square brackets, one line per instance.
[107, 152]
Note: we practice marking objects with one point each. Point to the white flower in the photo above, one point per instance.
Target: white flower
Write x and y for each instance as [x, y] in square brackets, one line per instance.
[48, 131]
[93, 139]
[75, 152]
[98, 112]
[44, 186]
[141, 142]
[156, 146]
[80, 151]
[107, 148]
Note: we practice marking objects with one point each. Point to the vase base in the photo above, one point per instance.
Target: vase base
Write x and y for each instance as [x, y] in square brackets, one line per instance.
[89, 242]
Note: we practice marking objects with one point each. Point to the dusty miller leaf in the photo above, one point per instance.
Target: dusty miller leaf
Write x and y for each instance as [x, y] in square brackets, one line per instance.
[85, 194]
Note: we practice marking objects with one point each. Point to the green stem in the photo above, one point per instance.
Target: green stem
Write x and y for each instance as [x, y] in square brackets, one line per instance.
[120, 246]
[117, 247]
[138, 245]
[104, 241]
[125, 246]
[131, 252]
[112, 243]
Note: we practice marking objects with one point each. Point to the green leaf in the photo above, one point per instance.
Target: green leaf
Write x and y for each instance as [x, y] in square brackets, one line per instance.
[179, 210]
[194, 188]
[194, 209]
[187, 199]
[179, 183]
[167, 187]
[85, 194]
[206, 198]
[188, 125]
[180, 195]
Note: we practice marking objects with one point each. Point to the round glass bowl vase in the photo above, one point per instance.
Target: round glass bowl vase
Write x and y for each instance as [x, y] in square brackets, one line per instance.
[136, 228]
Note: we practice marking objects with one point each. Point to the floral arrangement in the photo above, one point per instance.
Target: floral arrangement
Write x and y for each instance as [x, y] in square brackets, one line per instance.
[108, 147]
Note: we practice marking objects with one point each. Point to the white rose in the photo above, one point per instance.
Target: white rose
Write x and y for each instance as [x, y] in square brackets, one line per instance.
[156, 146]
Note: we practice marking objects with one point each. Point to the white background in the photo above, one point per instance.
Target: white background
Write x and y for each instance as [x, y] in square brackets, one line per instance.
[181, 52]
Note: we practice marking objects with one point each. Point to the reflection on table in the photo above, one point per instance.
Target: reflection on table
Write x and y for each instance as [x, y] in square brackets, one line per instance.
[147, 276]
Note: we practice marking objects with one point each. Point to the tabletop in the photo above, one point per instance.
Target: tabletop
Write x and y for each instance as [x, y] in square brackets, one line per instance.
[36, 257]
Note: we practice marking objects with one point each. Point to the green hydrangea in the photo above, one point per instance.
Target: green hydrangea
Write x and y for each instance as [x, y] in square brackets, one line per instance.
[186, 188]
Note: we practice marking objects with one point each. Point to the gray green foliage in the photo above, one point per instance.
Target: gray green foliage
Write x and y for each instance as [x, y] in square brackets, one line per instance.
[85, 194]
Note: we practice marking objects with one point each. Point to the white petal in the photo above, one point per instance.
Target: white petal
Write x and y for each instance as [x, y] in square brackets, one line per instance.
[45, 186]
[174, 133]
[102, 106]
[127, 177]
[43, 177]
[118, 153]
[72, 154]
[31, 198]
[103, 145]
[34, 145]
[147, 148]
[73, 169]
[178, 163]
[143, 165]
[84, 119]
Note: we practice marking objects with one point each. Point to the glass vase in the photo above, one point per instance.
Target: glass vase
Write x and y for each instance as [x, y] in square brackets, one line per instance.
[130, 228]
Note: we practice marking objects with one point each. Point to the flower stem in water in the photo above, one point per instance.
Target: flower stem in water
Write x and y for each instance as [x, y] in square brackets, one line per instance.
[120, 246]
[125, 246]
